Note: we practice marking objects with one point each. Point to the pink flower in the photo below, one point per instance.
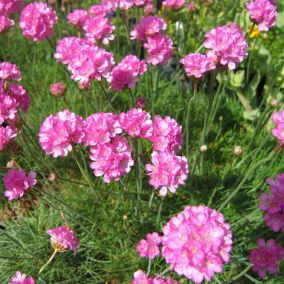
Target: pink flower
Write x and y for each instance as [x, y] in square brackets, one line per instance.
[148, 9]
[57, 133]
[227, 45]
[191, 6]
[140, 277]
[196, 64]
[125, 4]
[20, 278]
[141, 3]
[136, 123]
[272, 204]
[16, 182]
[140, 103]
[111, 160]
[8, 108]
[167, 135]
[97, 10]
[37, 21]
[197, 242]
[9, 71]
[8, 7]
[99, 29]
[159, 49]
[126, 73]
[100, 128]
[148, 27]
[57, 89]
[174, 4]
[266, 257]
[5, 23]
[110, 5]
[167, 172]
[63, 238]
[278, 131]
[150, 247]
[22, 97]
[78, 18]
[263, 13]
[6, 135]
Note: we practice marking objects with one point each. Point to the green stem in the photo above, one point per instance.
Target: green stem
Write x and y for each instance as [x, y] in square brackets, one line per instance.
[48, 262]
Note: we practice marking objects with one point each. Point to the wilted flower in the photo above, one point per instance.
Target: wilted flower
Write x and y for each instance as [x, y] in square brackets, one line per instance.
[5, 23]
[78, 18]
[57, 89]
[150, 247]
[21, 278]
[174, 4]
[9, 71]
[197, 242]
[278, 131]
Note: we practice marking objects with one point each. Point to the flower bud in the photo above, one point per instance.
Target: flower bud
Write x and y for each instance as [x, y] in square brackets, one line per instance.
[140, 103]
[238, 151]
[57, 89]
[203, 148]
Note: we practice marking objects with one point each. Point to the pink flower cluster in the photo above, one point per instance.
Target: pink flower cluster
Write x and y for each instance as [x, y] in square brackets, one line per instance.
[197, 242]
[12, 98]
[263, 13]
[85, 61]
[21, 278]
[278, 131]
[266, 257]
[16, 182]
[63, 238]
[226, 45]
[140, 277]
[272, 204]
[78, 18]
[125, 74]
[150, 247]
[37, 21]
[174, 4]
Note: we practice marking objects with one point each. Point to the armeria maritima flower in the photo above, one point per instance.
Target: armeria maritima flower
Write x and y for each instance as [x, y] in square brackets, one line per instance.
[9, 71]
[197, 242]
[37, 21]
[77, 18]
[5, 23]
[19, 93]
[6, 135]
[150, 247]
[167, 172]
[57, 89]
[63, 238]
[174, 4]
[140, 277]
[16, 182]
[265, 257]
[8, 108]
[97, 10]
[278, 131]
[8, 7]
[21, 278]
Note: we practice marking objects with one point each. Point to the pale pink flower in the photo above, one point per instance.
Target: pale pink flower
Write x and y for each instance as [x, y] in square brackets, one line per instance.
[266, 257]
[57, 89]
[272, 204]
[16, 182]
[63, 238]
[97, 10]
[58, 132]
[141, 3]
[137, 123]
[263, 13]
[6, 135]
[100, 29]
[100, 128]
[147, 27]
[140, 277]
[278, 131]
[125, 4]
[150, 247]
[37, 21]
[5, 23]
[226, 45]
[167, 172]
[9, 71]
[148, 9]
[191, 6]
[197, 242]
[19, 93]
[21, 278]
[78, 18]
[8, 108]
[167, 135]
[159, 49]
[196, 64]
[174, 4]
[8, 7]
[111, 160]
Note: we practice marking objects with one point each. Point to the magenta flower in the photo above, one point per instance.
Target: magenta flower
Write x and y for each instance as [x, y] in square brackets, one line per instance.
[159, 49]
[197, 242]
[6, 135]
[140, 277]
[111, 160]
[266, 257]
[21, 278]
[77, 18]
[9, 71]
[57, 89]
[100, 128]
[150, 247]
[191, 6]
[110, 5]
[196, 64]
[16, 182]
[137, 123]
[272, 204]
[167, 135]
[167, 172]
[148, 27]
[18, 93]
[97, 10]
[174, 4]
[140, 103]
[278, 131]
[8, 108]
[263, 13]
[141, 3]
[226, 45]
[8, 7]
[5, 23]
[63, 238]
[37, 21]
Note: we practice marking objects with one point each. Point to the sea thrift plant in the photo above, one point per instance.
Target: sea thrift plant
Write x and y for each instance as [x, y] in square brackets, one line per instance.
[16, 182]
[174, 4]
[150, 247]
[197, 242]
[9, 71]
[278, 131]
[265, 257]
[5, 23]
[140, 277]
[6, 135]
[272, 203]
[167, 172]
[21, 278]
[77, 18]
[226, 45]
[263, 13]
[8, 7]
[57, 89]
[97, 10]
[37, 21]
[19, 93]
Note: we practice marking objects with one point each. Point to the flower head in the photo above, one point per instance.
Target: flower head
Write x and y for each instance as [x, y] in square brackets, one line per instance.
[57, 89]
[19, 93]
[8, 108]
[21, 278]
[8, 7]
[78, 18]
[5, 23]
[278, 131]
[197, 242]
[6, 135]
[97, 10]
[191, 6]
[174, 4]
[150, 247]
[9, 71]
[140, 277]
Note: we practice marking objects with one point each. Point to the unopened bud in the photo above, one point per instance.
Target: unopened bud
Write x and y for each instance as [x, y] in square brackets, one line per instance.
[274, 103]
[57, 89]
[140, 103]
[238, 151]
[203, 148]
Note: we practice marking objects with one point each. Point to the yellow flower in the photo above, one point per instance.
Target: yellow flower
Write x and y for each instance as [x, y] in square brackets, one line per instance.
[254, 32]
